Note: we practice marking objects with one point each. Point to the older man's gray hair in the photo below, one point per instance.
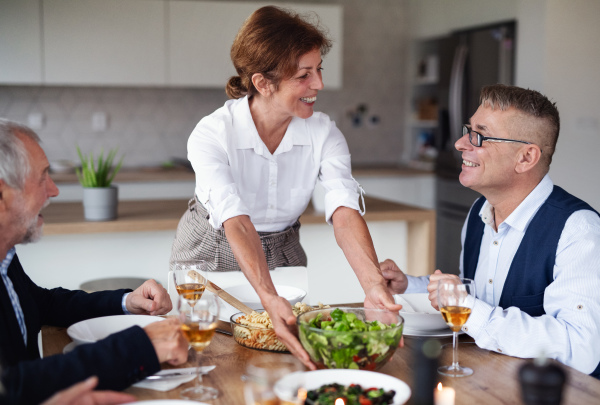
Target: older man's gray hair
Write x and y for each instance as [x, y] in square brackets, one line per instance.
[14, 163]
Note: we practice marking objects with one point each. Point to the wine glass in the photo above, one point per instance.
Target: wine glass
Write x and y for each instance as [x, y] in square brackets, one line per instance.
[190, 280]
[198, 323]
[455, 299]
[264, 372]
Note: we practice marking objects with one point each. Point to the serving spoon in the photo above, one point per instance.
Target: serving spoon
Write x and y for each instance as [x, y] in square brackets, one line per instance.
[221, 293]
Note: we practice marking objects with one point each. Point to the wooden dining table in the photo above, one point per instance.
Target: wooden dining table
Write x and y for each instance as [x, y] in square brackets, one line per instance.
[494, 381]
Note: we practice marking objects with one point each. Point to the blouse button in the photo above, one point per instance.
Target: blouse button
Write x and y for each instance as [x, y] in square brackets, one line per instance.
[495, 243]
[490, 281]
[579, 306]
[499, 350]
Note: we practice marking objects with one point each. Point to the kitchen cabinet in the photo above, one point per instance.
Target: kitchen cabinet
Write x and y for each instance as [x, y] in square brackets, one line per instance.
[201, 34]
[135, 42]
[104, 42]
[21, 44]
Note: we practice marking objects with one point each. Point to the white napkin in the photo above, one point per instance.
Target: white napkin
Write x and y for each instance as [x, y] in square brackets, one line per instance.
[167, 384]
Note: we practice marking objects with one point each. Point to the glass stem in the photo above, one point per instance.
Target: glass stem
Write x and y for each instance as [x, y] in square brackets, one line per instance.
[455, 350]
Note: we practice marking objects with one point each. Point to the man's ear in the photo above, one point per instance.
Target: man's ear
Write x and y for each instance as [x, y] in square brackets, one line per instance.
[262, 84]
[528, 158]
[3, 191]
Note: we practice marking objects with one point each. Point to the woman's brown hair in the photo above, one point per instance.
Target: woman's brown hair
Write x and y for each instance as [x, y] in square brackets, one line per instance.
[271, 42]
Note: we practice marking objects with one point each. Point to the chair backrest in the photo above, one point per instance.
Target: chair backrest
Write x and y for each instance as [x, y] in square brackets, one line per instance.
[113, 283]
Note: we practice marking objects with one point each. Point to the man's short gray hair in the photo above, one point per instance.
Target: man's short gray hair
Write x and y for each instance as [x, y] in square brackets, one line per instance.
[14, 162]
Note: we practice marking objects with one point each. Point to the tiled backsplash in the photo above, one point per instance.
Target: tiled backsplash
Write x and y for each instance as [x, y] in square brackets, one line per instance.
[150, 126]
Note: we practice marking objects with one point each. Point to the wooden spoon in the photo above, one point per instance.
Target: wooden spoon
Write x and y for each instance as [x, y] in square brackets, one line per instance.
[221, 293]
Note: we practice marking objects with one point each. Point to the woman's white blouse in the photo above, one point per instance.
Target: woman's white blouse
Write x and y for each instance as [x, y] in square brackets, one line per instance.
[237, 175]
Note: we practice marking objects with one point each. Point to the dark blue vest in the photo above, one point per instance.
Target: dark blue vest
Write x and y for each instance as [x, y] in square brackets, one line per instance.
[532, 267]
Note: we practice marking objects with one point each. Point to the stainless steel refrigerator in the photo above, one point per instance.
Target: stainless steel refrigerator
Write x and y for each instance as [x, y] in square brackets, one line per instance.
[468, 60]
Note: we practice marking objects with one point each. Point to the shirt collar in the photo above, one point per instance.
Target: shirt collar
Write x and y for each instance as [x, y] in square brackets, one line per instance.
[246, 136]
[6, 262]
[523, 214]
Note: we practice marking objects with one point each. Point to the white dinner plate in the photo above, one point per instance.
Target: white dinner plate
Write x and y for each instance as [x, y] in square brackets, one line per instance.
[92, 330]
[428, 333]
[311, 380]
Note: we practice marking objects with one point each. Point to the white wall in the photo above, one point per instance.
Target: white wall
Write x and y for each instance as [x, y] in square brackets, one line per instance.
[571, 79]
[431, 18]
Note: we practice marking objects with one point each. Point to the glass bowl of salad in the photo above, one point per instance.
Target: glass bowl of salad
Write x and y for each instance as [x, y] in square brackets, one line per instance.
[352, 338]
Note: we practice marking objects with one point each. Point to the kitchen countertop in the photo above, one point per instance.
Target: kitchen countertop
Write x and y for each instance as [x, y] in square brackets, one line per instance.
[160, 215]
[157, 174]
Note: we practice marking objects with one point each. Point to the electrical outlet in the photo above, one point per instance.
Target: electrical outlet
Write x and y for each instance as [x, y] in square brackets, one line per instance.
[35, 120]
[99, 121]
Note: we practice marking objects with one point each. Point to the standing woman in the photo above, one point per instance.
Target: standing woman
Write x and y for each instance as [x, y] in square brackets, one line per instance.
[257, 160]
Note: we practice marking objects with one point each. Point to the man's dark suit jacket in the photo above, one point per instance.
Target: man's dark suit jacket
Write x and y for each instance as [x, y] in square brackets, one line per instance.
[118, 361]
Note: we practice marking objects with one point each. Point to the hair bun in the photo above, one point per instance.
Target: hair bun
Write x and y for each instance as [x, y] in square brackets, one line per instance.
[235, 88]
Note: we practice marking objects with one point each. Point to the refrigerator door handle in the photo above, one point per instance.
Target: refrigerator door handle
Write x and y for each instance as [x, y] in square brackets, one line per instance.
[455, 105]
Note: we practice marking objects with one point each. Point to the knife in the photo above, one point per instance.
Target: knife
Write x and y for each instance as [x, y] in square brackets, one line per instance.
[179, 373]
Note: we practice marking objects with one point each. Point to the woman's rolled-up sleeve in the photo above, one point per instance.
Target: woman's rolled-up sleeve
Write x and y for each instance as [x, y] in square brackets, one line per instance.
[341, 190]
[215, 185]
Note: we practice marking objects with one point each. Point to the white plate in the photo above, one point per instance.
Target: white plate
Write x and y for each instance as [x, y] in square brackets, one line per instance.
[418, 313]
[428, 333]
[311, 380]
[92, 330]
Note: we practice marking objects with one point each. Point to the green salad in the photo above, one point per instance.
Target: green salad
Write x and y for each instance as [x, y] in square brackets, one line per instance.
[342, 340]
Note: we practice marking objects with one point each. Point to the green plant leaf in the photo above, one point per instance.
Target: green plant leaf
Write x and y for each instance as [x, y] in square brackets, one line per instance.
[100, 174]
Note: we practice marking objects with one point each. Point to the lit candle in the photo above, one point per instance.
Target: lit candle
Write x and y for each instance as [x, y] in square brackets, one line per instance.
[444, 395]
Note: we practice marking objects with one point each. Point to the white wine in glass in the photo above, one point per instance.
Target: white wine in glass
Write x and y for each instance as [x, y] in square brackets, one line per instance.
[198, 324]
[190, 279]
[456, 297]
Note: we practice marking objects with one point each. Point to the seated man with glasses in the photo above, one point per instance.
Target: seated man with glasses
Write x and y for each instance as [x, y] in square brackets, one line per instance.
[532, 248]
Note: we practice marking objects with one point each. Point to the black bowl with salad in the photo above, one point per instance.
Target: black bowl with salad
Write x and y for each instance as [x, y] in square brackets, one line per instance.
[351, 338]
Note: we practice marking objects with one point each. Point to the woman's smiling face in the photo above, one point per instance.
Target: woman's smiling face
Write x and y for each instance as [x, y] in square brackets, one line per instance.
[297, 95]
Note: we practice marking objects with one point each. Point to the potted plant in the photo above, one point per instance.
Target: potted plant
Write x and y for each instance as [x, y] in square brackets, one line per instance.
[100, 198]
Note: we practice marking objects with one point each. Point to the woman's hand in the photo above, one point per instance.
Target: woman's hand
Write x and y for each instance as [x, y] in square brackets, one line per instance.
[378, 296]
[284, 324]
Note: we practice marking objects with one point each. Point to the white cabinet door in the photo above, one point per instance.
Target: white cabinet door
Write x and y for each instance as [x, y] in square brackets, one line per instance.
[20, 42]
[201, 34]
[104, 42]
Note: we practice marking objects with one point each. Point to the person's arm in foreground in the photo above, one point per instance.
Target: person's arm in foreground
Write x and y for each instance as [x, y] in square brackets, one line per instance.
[83, 394]
[247, 249]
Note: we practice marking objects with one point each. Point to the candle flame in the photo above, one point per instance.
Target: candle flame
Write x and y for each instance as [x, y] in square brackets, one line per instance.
[339, 401]
[439, 386]
[302, 394]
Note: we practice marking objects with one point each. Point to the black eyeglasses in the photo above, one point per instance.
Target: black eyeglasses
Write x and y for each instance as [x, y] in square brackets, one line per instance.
[477, 139]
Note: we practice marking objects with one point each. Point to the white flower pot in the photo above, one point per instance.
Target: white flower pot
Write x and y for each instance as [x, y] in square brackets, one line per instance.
[100, 203]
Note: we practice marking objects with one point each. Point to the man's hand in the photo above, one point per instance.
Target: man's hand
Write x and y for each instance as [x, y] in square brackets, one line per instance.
[284, 324]
[396, 279]
[169, 343]
[433, 286]
[149, 299]
[83, 394]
